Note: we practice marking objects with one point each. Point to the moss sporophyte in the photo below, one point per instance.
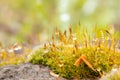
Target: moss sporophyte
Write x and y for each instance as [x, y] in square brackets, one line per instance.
[80, 54]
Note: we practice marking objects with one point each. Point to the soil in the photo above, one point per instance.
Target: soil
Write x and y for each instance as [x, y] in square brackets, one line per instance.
[26, 71]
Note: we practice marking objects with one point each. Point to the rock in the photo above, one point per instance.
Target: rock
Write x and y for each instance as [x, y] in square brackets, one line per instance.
[26, 71]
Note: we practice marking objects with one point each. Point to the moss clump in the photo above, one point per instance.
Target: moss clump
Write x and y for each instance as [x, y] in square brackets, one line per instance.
[72, 57]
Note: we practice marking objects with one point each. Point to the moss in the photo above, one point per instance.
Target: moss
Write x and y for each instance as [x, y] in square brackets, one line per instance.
[73, 55]
[63, 51]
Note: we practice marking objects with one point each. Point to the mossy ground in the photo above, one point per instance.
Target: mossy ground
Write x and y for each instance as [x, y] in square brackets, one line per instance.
[79, 55]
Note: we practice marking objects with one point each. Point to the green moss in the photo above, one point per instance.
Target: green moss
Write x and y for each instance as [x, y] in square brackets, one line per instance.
[64, 50]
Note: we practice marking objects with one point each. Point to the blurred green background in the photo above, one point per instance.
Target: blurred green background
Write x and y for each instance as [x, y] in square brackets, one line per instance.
[21, 18]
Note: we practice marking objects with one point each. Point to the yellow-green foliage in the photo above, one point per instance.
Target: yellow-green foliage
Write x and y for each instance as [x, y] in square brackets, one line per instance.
[7, 58]
[64, 49]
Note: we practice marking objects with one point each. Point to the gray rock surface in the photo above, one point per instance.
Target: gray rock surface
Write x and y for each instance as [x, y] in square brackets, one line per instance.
[26, 71]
